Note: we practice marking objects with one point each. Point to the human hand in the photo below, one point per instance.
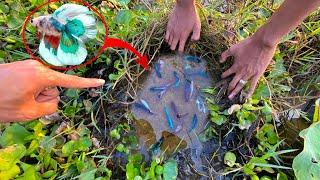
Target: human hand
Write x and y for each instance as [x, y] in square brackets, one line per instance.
[183, 20]
[28, 89]
[251, 58]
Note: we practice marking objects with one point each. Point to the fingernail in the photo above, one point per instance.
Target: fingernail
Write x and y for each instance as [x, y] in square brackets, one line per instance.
[231, 96]
[101, 81]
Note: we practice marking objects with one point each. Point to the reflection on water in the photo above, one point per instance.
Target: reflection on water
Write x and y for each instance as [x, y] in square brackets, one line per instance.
[170, 109]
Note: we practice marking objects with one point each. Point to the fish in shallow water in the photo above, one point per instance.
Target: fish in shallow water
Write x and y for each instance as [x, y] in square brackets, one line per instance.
[143, 104]
[158, 67]
[201, 104]
[194, 123]
[176, 112]
[178, 128]
[169, 118]
[161, 90]
[63, 34]
[176, 83]
[155, 148]
[191, 58]
[188, 89]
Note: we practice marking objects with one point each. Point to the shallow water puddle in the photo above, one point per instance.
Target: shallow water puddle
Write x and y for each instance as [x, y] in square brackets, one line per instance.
[177, 112]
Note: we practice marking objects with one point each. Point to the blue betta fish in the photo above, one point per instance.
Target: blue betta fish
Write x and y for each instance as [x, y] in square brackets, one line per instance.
[64, 33]
[176, 83]
[188, 89]
[169, 118]
[201, 104]
[144, 106]
[191, 58]
[194, 123]
[158, 67]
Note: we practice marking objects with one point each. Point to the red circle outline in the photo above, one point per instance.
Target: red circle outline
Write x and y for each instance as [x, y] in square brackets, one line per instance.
[101, 49]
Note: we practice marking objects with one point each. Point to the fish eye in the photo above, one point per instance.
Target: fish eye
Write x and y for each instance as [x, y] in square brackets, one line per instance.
[31, 21]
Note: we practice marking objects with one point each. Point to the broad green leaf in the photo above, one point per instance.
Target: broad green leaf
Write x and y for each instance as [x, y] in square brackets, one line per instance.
[115, 134]
[87, 175]
[170, 170]
[230, 159]
[14, 134]
[278, 70]
[159, 170]
[124, 17]
[131, 171]
[217, 118]
[83, 144]
[47, 143]
[72, 93]
[4, 8]
[30, 172]
[10, 156]
[262, 91]
[68, 148]
[282, 176]
[10, 173]
[306, 165]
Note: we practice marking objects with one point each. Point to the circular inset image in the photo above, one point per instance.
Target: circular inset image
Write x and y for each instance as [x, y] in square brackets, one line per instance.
[67, 37]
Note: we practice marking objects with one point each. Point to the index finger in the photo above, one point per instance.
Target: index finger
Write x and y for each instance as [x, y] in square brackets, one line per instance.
[70, 81]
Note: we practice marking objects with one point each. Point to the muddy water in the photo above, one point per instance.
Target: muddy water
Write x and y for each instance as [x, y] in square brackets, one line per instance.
[152, 127]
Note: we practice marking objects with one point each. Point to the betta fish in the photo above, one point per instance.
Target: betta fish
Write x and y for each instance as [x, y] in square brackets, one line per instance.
[63, 34]
[188, 89]
[191, 58]
[194, 123]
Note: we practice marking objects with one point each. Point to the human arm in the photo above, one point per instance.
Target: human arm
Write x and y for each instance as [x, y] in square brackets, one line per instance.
[253, 55]
[183, 21]
[28, 89]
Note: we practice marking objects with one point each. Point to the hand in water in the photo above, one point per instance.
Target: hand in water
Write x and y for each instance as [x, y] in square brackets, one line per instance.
[183, 20]
[28, 89]
[251, 58]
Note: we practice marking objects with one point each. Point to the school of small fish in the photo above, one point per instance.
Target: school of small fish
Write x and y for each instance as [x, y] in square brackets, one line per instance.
[189, 92]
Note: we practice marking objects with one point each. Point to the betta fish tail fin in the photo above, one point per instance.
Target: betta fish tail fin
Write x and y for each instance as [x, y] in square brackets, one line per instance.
[112, 42]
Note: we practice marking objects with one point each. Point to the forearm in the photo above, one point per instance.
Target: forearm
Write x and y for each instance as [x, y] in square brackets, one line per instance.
[290, 14]
[185, 3]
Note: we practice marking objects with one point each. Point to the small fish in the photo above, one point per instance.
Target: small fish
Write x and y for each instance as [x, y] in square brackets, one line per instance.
[158, 67]
[177, 79]
[191, 58]
[201, 73]
[169, 119]
[178, 129]
[144, 105]
[176, 112]
[174, 109]
[156, 146]
[188, 89]
[160, 89]
[194, 123]
[201, 104]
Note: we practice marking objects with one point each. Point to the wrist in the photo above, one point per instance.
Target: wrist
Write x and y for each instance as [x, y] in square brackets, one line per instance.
[187, 4]
[265, 38]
